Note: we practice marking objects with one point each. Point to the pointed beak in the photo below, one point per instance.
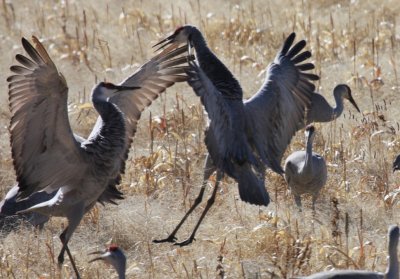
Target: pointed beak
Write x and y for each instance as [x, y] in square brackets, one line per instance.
[354, 103]
[102, 256]
[163, 43]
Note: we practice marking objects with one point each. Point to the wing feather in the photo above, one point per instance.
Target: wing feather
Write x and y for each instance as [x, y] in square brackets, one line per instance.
[225, 138]
[278, 109]
[43, 147]
[153, 78]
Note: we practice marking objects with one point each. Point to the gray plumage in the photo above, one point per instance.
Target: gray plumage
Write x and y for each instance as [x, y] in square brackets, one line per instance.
[305, 171]
[49, 158]
[396, 163]
[9, 206]
[321, 110]
[115, 257]
[245, 137]
[392, 271]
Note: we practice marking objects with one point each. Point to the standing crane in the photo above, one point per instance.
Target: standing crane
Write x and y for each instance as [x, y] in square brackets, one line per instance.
[392, 271]
[396, 163]
[244, 137]
[48, 157]
[114, 256]
[321, 111]
[305, 171]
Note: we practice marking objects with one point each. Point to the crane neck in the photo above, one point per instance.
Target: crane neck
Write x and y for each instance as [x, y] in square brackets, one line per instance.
[338, 109]
[307, 168]
[107, 140]
[120, 267]
[121, 273]
[215, 70]
[392, 271]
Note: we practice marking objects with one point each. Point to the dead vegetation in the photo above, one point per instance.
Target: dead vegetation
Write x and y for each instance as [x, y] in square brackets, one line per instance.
[354, 42]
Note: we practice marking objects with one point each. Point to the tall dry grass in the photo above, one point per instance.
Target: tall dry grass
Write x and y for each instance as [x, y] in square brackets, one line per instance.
[354, 42]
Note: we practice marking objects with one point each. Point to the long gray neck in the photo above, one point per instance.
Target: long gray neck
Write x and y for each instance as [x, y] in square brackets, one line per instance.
[307, 168]
[120, 267]
[121, 273]
[107, 139]
[392, 271]
[337, 111]
[215, 70]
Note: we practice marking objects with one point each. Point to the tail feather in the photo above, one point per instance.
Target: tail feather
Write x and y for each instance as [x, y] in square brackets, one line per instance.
[252, 188]
[9, 207]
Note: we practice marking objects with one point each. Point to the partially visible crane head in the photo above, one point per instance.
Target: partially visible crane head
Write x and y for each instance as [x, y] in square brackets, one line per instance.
[345, 92]
[396, 164]
[181, 35]
[104, 90]
[310, 129]
[112, 255]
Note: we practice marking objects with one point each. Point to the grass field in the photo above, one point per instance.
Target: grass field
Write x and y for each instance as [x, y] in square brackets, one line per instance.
[354, 42]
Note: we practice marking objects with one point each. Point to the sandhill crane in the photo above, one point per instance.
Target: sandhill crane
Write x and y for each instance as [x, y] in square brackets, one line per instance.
[396, 163]
[305, 171]
[392, 271]
[321, 111]
[245, 136]
[48, 157]
[114, 256]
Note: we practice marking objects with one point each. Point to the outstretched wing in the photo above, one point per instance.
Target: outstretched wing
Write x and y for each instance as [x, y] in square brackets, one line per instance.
[278, 109]
[153, 78]
[226, 140]
[44, 150]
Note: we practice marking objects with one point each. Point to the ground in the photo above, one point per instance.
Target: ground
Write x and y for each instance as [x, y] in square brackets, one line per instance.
[352, 42]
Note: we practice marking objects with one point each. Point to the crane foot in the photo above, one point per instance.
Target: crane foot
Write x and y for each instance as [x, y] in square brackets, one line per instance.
[171, 239]
[185, 242]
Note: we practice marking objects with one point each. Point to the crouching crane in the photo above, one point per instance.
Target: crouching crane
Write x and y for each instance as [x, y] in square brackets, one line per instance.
[321, 110]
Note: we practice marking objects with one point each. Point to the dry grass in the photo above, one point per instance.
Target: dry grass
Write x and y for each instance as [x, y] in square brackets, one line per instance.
[352, 41]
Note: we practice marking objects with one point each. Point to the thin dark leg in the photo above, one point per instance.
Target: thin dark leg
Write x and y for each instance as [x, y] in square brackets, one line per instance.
[210, 202]
[314, 200]
[64, 249]
[209, 168]
[298, 202]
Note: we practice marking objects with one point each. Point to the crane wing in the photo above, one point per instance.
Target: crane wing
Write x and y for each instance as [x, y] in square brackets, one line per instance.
[225, 138]
[45, 152]
[278, 109]
[153, 78]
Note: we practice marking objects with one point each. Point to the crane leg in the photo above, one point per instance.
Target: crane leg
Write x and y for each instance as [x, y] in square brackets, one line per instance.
[210, 202]
[209, 168]
[297, 199]
[64, 249]
[74, 218]
[314, 199]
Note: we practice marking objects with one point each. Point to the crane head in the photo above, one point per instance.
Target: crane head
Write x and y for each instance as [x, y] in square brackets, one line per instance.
[114, 256]
[309, 132]
[105, 90]
[345, 91]
[181, 35]
[396, 164]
